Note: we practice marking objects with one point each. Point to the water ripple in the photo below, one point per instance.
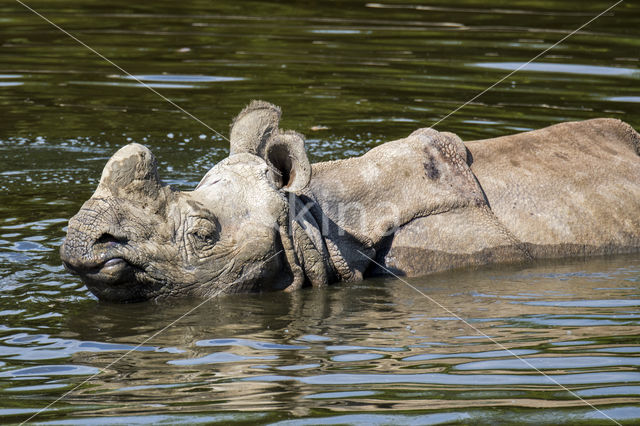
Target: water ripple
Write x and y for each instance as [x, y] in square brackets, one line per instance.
[253, 344]
[51, 370]
[219, 357]
[561, 68]
[456, 379]
[547, 363]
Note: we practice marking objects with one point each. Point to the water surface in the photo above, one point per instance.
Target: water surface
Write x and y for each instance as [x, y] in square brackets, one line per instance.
[350, 75]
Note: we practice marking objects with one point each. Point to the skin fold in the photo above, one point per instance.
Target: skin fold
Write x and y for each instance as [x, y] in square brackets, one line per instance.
[264, 219]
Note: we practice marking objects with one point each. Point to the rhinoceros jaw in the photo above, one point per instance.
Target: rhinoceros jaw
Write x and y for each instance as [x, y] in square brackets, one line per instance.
[113, 271]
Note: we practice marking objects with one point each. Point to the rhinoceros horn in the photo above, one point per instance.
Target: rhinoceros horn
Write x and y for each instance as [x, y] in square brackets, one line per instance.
[130, 173]
[255, 131]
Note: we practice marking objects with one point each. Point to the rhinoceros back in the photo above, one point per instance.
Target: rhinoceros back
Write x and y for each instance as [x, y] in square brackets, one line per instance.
[565, 190]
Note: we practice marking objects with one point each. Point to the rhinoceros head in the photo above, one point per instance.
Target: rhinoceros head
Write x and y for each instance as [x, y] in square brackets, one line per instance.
[138, 239]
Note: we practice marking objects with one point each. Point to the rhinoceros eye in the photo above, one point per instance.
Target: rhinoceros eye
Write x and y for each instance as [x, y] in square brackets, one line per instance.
[203, 233]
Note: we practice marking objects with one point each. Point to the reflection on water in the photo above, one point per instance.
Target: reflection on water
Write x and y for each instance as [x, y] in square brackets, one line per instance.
[369, 347]
[561, 68]
[181, 78]
[350, 77]
[161, 81]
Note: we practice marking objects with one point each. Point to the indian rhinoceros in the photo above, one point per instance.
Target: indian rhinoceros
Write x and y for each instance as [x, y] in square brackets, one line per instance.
[265, 219]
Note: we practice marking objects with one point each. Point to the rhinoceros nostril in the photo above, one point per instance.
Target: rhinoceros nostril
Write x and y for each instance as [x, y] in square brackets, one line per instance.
[107, 238]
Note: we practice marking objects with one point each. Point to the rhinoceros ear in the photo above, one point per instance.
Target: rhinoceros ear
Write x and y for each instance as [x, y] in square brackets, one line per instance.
[287, 159]
[130, 173]
[253, 127]
[255, 131]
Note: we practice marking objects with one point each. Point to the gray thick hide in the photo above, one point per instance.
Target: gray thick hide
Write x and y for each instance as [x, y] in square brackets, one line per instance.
[265, 219]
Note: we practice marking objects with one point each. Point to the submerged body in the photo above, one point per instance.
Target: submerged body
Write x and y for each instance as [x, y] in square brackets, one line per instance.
[265, 219]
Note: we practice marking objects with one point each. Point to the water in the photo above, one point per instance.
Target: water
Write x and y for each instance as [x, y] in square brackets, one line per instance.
[349, 75]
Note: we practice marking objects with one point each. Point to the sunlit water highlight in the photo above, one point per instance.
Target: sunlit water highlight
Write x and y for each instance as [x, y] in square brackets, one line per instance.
[350, 77]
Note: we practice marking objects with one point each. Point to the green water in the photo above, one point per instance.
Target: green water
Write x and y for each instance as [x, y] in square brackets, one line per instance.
[349, 75]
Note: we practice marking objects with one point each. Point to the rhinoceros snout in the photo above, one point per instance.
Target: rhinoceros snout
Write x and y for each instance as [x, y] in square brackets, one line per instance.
[90, 250]
[107, 263]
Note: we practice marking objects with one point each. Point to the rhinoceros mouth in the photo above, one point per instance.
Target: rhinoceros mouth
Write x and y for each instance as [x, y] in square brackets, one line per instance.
[113, 271]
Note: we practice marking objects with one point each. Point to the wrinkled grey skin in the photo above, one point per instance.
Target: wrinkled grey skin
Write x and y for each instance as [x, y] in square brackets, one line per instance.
[265, 219]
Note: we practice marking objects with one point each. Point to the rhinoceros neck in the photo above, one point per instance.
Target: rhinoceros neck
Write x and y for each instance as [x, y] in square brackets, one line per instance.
[309, 244]
[334, 248]
[363, 201]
